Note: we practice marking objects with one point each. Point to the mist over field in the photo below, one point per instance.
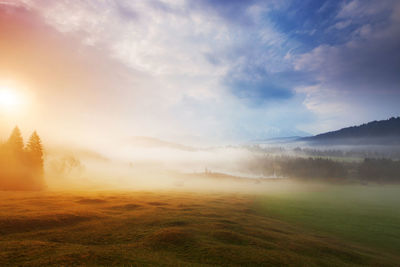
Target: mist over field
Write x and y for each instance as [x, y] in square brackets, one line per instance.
[199, 133]
[168, 165]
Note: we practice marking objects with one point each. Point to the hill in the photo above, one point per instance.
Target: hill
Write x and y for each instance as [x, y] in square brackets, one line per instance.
[382, 132]
[178, 228]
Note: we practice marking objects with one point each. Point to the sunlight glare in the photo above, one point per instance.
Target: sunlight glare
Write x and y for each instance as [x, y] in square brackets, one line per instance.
[9, 98]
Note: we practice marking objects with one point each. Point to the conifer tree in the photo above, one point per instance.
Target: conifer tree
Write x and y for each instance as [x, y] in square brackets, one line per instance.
[21, 169]
[15, 142]
[35, 152]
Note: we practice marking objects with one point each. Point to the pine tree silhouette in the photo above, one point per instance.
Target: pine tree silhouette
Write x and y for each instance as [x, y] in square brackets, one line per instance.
[15, 142]
[34, 149]
[21, 169]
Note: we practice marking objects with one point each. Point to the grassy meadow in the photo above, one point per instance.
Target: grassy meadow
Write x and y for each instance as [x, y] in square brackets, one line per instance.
[169, 228]
[367, 215]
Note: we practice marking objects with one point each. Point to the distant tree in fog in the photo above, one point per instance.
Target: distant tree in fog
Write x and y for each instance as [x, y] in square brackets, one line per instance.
[15, 142]
[21, 169]
[34, 151]
[379, 170]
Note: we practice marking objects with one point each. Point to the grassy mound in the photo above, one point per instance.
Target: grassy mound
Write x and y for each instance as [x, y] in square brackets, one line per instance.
[128, 228]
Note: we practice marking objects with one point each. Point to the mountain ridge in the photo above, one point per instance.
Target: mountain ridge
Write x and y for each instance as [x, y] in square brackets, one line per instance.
[375, 132]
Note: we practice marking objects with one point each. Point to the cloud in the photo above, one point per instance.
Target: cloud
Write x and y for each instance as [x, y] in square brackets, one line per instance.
[358, 9]
[362, 72]
[176, 68]
[342, 24]
[192, 70]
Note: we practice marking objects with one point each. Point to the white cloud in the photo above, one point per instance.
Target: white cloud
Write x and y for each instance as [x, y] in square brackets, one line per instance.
[356, 79]
[319, 59]
[324, 101]
[357, 9]
[342, 24]
[350, 9]
[179, 57]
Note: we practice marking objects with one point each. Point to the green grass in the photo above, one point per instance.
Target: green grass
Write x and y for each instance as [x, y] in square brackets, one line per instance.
[367, 215]
[163, 229]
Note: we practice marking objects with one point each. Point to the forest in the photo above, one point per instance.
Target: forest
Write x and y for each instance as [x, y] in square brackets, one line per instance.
[21, 166]
[374, 170]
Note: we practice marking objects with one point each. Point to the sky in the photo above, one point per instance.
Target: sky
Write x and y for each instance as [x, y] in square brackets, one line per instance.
[197, 72]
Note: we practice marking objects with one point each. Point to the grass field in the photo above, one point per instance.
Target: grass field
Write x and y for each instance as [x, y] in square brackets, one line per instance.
[172, 229]
[367, 215]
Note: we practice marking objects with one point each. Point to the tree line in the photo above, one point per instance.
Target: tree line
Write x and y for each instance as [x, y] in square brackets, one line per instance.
[375, 170]
[21, 166]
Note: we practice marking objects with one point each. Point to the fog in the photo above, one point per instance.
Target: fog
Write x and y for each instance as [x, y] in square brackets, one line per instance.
[154, 164]
[145, 168]
[150, 163]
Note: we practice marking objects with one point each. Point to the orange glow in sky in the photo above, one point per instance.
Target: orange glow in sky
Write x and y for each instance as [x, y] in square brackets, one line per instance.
[9, 99]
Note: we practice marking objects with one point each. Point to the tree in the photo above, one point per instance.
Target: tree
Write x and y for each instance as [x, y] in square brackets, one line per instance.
[35, 152]
[21, 169]
[15, 142]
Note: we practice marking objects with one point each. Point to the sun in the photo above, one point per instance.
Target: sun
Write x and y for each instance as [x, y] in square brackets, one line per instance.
[9, 98]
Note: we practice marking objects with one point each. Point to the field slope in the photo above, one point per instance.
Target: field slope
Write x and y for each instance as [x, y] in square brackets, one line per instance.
[366, 215]
[163, 229]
